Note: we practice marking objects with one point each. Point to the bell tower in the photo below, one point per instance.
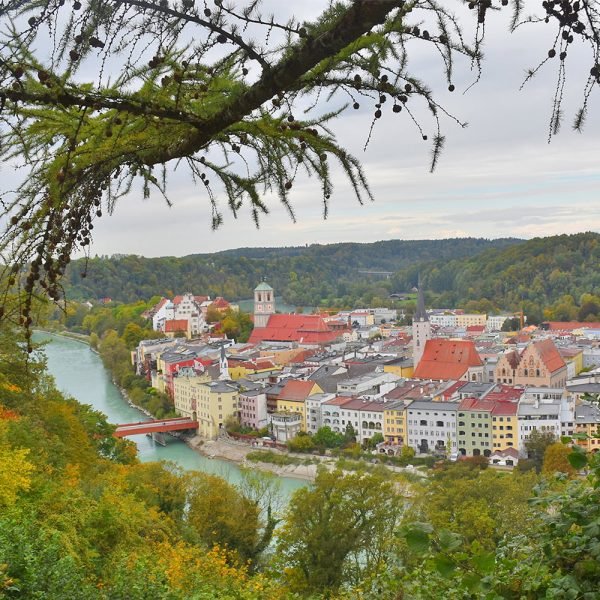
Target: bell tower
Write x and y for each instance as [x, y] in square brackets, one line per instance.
[421, 327]
[264, 304]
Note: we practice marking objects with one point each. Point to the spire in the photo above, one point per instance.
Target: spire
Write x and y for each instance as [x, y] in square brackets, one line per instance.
[421, 312]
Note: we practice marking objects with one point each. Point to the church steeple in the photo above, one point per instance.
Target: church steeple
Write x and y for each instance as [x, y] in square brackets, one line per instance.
[264, 304]
[223, 365]
[421, 327]
[421, 312]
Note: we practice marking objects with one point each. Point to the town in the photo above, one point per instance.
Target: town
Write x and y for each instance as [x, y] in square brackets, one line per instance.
[452, 385]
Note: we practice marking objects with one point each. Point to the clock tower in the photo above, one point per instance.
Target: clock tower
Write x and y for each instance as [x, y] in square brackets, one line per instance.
[264, 304]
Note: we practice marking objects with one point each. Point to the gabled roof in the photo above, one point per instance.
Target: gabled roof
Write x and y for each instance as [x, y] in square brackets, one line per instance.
[176, 325]
[476, 405]
[549, 355]
[571, 325]
[220, 303]
[505, 409]
[309, 329]
[447, 359]
[296, 390]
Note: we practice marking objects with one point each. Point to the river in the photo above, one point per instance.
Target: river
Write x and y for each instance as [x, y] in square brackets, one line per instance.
[79, 372]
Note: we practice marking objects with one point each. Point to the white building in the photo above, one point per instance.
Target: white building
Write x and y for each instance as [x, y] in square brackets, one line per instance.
[495, 322]
[545, 410]
[431, 426]
[365, 416]
[378, 383]
[443, 320]
[314, 412]
[421, 328]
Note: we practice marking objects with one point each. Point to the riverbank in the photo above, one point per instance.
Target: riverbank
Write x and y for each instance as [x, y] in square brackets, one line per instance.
[237, 452]
[78, 337]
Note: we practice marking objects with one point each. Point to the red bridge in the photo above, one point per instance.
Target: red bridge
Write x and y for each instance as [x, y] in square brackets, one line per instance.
[176, 424]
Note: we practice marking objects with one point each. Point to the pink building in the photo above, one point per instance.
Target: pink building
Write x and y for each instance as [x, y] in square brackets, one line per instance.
[253, 409]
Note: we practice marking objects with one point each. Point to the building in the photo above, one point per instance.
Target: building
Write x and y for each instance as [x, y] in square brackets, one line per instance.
[587, 421]
[495, 322]
[307, 330]
[539, 364]
[505, 426]
[216, 401]
[264, 304]
[253, 408]
[421, 328]
[545, 411]
[466, 320]
[314, 411]
[331, 415]
[474, 426]
[431, 426]
[394, 423]
[365, 416]
[285, 426]
[292, 398]
[185, 396]
[450, 360]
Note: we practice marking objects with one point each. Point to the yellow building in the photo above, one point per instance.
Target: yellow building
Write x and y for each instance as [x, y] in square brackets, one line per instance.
[239, 369]
[587, 421]
[573, 358]
[505, 426]
[208, 402]
[394, 423]
[403, 367]
[292, 398]
[470, 320]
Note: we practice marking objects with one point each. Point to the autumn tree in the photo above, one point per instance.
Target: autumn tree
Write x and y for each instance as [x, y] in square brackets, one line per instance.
[536, 446]
[338, 531]
[556, 460]
[97, 95]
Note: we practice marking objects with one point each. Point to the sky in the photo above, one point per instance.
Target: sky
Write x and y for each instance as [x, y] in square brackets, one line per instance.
[499, 177]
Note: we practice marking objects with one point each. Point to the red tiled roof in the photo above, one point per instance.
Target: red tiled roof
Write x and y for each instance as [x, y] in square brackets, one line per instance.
[449, 392]
[476, 404]
[549, 355]
[309, 329]
[475, 328]
[220, 303]
[506, 393]
[570, 325]
[505, 408]
[507, 452]
[296, 390]
[447, 359]
[339, 401]
[176, 325]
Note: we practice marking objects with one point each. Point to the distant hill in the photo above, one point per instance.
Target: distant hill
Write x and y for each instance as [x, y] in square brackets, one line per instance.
[535, 273]
[305, 275]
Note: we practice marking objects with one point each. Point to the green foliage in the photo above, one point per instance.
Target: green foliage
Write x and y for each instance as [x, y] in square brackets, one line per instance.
[301, 443]
[481, 506]
[325, 437]
[564, 275]
[536, 446]
[276, 458]
[338, 531]
[324, 274]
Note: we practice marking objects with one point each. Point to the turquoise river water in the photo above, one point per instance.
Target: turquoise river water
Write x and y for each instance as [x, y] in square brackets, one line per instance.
[79, 373]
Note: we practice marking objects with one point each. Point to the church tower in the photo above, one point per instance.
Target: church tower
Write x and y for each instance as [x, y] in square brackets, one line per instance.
[264, 304]
[223, 365]
[421, 327]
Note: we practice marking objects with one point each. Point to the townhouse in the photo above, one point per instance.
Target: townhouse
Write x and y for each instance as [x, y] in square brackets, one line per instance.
[431, 426]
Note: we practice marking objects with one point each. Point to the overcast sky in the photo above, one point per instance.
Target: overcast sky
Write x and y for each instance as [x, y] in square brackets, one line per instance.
[499, 177]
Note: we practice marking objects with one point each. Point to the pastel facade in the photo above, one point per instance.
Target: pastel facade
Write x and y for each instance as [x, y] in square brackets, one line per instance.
[253, 409]
[292, 398]
[475, 427]
[431, 426]
[394, 423]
